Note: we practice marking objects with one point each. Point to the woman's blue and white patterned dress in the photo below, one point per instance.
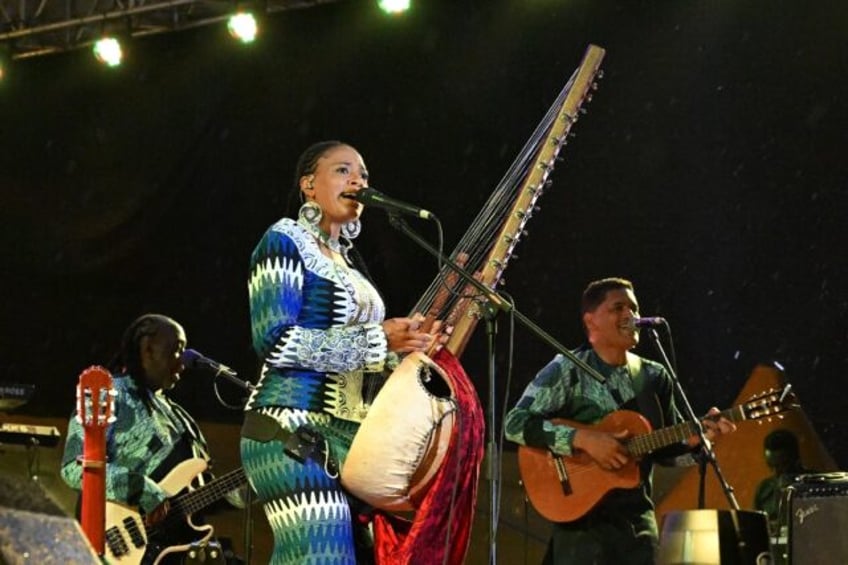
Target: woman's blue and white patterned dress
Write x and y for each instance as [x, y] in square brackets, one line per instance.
[313, 322]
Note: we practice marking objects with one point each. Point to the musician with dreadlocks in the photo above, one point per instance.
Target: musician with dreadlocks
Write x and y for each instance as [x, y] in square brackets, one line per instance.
[151, 434]
[315, 316]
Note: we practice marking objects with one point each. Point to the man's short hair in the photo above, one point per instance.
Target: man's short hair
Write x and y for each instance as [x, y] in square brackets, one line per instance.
[596, 292]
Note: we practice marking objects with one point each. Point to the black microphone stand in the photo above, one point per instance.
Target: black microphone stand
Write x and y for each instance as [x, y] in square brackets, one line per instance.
[248, 492]
[705, 453]
[494, 302]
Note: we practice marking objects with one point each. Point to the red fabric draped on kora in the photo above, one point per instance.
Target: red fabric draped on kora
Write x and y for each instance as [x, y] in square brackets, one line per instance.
[441, 529]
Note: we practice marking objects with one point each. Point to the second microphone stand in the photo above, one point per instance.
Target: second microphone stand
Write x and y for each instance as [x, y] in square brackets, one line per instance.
[706, 453]
[228, 374]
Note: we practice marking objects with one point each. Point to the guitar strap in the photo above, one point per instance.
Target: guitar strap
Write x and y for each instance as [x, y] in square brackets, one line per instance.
[302, 444]
[637, 381]
[192, 431]
[634, 367]
[645, 401]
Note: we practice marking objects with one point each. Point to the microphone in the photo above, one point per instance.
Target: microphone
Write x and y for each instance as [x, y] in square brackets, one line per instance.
[372, 197]
[195, 360]
[650, 322]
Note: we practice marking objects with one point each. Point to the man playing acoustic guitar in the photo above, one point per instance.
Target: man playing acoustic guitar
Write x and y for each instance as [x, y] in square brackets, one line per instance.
[618, 526]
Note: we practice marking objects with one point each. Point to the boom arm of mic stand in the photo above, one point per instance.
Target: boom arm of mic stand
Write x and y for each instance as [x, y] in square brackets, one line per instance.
[495, 300]
[248, 386]
[706, 447]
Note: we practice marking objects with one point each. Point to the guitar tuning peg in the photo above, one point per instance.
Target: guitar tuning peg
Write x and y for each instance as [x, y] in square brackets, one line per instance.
[583, 111]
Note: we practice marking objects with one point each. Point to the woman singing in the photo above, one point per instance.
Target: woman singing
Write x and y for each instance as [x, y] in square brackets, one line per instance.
[318, 325]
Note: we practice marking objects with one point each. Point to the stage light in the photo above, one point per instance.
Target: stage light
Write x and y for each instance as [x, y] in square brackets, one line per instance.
[394, 6]
[5, 60]
[242, 26]
[108, 51]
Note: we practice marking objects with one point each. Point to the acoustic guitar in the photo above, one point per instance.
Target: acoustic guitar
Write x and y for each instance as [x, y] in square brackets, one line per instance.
[95, 411]
[564, 488]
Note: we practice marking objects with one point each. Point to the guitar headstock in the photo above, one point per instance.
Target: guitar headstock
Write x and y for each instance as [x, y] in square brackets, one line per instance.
[95, 398]
[770, 403]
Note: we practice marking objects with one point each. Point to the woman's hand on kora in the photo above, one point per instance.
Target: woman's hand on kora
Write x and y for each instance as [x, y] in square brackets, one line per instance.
[405, 335]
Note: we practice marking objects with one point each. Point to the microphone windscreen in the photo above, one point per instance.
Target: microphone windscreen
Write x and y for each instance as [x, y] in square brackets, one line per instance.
[190, 357]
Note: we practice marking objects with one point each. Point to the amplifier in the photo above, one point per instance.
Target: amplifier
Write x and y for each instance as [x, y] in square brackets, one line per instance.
[29, 435]
[818, 519]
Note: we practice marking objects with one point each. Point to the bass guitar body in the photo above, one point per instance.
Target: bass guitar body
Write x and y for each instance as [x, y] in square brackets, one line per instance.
[130, 542]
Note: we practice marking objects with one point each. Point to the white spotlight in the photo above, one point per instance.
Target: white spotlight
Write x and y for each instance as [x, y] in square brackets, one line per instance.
[243, 27]
[108, 51]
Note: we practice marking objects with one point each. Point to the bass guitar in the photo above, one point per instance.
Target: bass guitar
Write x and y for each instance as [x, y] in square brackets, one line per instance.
[564, 488]
[130, 541]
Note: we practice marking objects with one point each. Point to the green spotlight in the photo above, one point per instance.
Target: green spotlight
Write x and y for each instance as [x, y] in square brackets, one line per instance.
[394, 6]
[108, 51]
[242, 26]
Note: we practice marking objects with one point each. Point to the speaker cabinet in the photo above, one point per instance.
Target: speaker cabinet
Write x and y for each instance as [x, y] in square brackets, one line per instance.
[714, 537]
[818, 520]
[27, 538]
[34, 530]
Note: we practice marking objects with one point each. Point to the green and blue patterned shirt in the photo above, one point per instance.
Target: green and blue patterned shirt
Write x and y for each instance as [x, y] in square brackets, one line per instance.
[563, 390]
[142, 445]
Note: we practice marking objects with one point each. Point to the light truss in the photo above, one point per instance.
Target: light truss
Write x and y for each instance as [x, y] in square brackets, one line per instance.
[30, 28]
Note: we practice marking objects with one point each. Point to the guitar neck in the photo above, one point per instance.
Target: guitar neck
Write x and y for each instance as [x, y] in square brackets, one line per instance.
[198, 499]
[652, 441]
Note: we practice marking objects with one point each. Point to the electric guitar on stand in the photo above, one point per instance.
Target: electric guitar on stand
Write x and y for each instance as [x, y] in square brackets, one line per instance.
[564, 489]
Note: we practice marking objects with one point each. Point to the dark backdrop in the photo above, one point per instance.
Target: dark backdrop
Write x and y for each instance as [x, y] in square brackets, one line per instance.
[710, 170]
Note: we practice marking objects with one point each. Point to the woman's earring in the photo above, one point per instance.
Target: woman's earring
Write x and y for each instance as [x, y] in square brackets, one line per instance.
[310, 212]
[351, 229]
